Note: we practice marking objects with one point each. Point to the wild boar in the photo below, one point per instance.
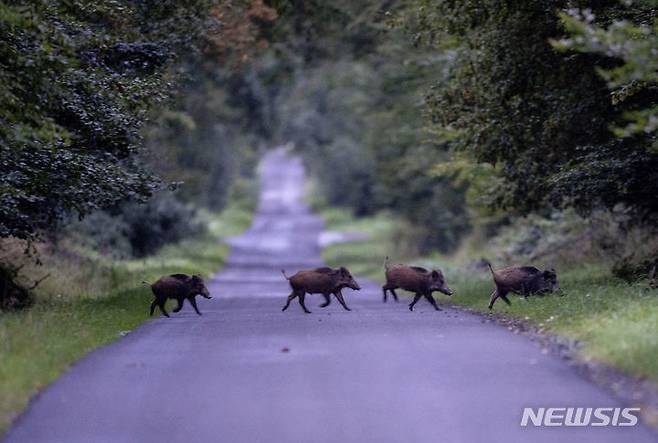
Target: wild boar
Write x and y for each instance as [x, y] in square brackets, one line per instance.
[325, 281]
[179, 287]
[414, 279]
[523, 280]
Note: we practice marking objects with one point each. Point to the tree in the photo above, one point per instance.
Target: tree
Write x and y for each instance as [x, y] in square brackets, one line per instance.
[78, 79]
[541, 117]
[634, 43]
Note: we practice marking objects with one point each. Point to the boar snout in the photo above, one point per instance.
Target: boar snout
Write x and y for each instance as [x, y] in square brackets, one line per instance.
[348, 280]
[200, 287]
[550, 280]
[439, 283]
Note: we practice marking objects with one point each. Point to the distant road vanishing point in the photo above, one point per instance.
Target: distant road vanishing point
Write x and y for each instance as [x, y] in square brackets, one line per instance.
[247, 372]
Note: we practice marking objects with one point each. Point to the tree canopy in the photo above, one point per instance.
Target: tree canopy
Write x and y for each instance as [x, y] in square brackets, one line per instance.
[78, 80]
[448, 113]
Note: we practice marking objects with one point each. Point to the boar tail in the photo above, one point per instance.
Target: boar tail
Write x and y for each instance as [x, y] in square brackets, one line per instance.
[284, 274]
[386, 263]
[490, 268]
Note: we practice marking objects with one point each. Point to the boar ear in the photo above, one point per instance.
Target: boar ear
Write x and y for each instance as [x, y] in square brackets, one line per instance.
[343, 270]
[435, 275]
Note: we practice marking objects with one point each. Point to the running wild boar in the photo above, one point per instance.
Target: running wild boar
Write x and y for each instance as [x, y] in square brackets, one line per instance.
[325, 281]
[414, 279]
[523, 280]
[178, 287]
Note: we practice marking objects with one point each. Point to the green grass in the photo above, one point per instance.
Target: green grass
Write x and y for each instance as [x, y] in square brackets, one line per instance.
[365, 257]
[617, 323]
[90, 304]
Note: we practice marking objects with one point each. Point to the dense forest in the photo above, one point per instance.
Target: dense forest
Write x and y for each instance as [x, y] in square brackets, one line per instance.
[121, 121]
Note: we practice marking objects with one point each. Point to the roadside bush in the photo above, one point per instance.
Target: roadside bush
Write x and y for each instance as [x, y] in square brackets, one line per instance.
[135, 230]
[101, 232]
[632, 269]
[560, 236]
[162, 220]
[12, 295]
[564, 238]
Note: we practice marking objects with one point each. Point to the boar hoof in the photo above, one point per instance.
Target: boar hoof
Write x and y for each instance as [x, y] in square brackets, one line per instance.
[411, 308]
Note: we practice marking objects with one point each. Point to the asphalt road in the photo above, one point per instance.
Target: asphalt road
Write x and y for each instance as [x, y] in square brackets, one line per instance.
[246, 372]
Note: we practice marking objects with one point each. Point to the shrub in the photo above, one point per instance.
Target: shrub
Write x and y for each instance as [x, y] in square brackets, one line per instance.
[134, 229]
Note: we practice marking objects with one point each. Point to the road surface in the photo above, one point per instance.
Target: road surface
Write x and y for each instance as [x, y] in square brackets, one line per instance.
[247, 372]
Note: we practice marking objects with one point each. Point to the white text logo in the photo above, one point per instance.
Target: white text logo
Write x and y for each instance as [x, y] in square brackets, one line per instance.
[580, 416]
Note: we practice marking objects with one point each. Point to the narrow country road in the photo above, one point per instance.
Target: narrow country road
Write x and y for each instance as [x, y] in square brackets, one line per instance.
[377, 374]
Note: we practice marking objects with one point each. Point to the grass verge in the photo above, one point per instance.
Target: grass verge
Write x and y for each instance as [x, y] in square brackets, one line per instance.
[89, 304]
[616, 322]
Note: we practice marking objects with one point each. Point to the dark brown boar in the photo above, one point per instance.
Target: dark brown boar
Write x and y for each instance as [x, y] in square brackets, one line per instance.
[523, 280]
[325, 281]
[414, 279]
[179, 287]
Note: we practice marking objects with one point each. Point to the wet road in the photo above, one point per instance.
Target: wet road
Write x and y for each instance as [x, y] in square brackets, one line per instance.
[246, 372]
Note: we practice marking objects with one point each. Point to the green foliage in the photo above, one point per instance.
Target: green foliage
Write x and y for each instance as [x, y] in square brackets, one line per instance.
[77, 80]
[353, 108]
[540, 116]
[515, 127]
[209, 138]
[636, 45]
[135, 230]
[632, 270]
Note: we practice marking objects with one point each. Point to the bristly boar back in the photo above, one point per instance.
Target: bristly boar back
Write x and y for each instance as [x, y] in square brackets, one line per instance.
[420, 281]
[179, 287]
[325, 281]
[523, 280]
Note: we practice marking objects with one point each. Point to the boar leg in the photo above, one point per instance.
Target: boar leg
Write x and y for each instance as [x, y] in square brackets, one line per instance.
[327, 300]
[395, 296]
[291, 297]
[430, 299]
[505, 299]
[192, 301]
[153, 305]
[416, 298]
[161, 305]
[180, 304]
[494, 297]
[341, 300]
[301, 302]
[386, 288]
